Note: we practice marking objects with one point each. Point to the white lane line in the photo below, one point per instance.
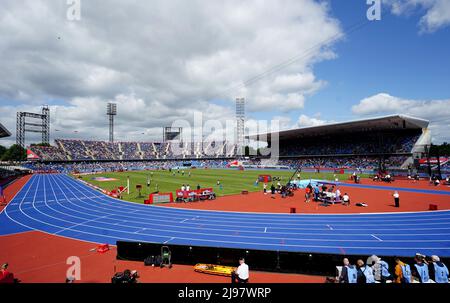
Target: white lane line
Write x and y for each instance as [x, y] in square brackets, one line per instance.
[377, 238]
[82, 223]
[138, 231]
[169, 240]
[331, 228]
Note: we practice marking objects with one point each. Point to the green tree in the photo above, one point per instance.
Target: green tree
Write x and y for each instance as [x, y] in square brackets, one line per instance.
[2, 151]
[15, 153]
[443, 149]
[40, 144]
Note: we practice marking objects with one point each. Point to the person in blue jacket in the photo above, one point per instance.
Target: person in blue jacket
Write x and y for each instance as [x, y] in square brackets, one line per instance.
[420, 269]
[365, 273]
[349, 273]
[438, 270]
[380, 269]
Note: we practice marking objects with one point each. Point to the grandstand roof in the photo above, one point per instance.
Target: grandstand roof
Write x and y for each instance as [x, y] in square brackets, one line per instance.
[4, 132]
[372, 124]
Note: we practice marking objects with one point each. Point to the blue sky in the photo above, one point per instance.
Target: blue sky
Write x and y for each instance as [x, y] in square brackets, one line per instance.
[389, 56]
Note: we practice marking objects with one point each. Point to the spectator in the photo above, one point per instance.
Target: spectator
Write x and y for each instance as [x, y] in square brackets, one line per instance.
[380, 269]
[348, 273]
[420, 269]
[402, 272]
[5, 275]
[438, 270]
[365, 273]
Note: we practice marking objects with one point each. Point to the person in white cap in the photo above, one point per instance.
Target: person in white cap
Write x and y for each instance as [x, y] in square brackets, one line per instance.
[438, 270]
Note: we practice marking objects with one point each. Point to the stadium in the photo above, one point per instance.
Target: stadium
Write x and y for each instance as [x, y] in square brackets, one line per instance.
[207, 203]
[230, 147]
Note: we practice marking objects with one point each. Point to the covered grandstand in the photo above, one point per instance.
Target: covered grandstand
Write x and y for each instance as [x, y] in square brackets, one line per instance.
[4, 132]
[388, 136]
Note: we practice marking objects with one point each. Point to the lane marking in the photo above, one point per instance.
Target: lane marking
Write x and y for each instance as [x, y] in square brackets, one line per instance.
[169, 240]
[377, 238]
[82, 223]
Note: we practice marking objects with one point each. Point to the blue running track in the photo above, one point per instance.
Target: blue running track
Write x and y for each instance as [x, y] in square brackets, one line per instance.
[60, 205]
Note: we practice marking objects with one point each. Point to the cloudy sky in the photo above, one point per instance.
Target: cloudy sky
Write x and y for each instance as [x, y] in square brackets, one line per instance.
[302, 62]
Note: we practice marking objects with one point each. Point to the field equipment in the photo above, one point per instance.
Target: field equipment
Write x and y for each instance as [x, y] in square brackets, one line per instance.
[166, 257]
[103, 248]
[212, 269]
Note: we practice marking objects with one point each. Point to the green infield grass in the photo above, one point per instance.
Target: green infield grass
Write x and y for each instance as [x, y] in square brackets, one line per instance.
[232, 181]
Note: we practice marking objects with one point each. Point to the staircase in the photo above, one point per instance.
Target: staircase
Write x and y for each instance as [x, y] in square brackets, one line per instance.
[60, 145]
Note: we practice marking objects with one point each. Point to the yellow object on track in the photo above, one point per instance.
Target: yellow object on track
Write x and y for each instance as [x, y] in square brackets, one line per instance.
[214, 269]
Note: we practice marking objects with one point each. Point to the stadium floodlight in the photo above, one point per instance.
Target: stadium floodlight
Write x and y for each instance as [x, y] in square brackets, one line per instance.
[41, 125]
[111, 111]
[240, 124]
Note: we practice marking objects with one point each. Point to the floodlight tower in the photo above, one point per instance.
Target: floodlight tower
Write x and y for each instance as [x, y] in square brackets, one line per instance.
[111, 111]
[240, 124]
[40, 124]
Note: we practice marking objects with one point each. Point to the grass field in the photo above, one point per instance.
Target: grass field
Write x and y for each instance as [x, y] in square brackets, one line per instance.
[233, 181]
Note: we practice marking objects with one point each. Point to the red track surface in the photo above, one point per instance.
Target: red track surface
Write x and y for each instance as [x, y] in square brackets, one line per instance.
[13, 188]
[38, 257]
[377, 200]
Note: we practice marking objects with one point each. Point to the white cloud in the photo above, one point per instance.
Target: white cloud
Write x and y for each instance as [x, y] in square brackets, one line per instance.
[437, 111]
[159, 60]
[437, 12]
[306, 121]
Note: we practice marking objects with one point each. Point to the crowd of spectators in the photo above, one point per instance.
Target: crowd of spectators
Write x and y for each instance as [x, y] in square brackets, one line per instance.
[80, 150]
[366, 163]
[363, 162]
[93, 167]
[130, 151]
[49, 152]
[344, 145]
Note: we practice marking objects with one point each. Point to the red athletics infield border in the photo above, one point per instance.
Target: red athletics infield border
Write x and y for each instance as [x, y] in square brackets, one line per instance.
[378, 201]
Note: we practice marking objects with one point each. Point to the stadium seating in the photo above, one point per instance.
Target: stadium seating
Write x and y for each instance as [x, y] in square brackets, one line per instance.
[361, 147]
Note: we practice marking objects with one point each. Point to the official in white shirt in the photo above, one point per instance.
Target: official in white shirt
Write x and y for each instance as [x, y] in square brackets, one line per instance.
[241, 274]
[396, 199]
